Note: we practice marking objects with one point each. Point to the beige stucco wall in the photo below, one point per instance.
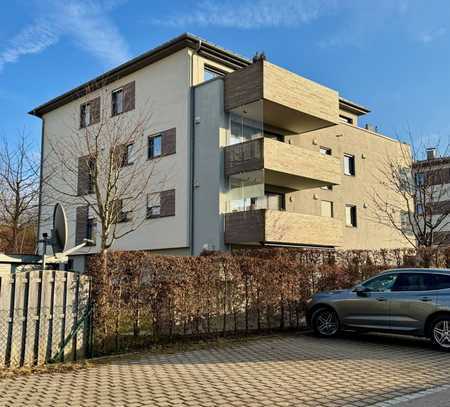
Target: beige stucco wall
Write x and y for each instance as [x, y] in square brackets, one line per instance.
[162, 89]
[371, 151]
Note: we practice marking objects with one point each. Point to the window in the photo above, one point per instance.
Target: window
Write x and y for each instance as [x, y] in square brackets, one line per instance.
[161, 204]
[420, 178]
[117, 102]
[154, 146]
[350, 216]
[128, 158]
[154, 205]
[440, 282]
[349, 164]
[91, 229]
[85, 115]
[326, 209]
[345, 119]
[119, 215]
[211, 73]
[412, 282]
[381, 283]
[325, 151]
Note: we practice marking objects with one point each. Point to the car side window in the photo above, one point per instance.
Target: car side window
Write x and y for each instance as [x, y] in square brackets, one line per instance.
[440, 282]
[413, 282]
[381, 283]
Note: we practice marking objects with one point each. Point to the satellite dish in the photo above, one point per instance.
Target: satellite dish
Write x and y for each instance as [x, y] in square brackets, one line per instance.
[59, 232]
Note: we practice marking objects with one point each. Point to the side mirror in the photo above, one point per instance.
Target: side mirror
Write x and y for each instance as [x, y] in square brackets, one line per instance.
[361, 290]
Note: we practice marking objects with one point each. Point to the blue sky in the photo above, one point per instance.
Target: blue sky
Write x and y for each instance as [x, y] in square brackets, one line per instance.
[392, 56]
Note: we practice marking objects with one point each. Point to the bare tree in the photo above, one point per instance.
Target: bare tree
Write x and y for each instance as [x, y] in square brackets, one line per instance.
[101, 164]
[19, 193]
[414, 202]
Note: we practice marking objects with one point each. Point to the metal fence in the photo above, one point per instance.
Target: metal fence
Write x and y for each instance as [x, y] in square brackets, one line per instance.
[44, 317]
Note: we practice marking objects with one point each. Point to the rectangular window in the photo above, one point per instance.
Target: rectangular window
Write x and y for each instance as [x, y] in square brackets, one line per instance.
[85, 115]
[325, 151]
[117, 102]
[350, 216]
[127, 155]
[154, 146]
[91, 229]
[211, 73]
[420, 179]
[326, 209]
[154, 205]
[345, 119]
[349, 164]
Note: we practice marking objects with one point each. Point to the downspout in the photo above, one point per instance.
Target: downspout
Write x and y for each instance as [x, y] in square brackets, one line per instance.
[40, 186]
[192, 154]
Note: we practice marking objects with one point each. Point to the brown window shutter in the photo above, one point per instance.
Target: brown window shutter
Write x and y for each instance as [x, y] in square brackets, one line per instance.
[168, 203]
[95, 110]
[82, 213]
[169, 141]
[129, 94]
[83, 176]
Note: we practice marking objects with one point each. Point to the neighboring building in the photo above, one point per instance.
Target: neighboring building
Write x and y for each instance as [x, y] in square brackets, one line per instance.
[258, 155]
[432, 180]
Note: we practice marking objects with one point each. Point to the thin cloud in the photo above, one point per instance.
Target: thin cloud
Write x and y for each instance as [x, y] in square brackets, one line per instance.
[83, 21]
[31, 40]
[249, 14]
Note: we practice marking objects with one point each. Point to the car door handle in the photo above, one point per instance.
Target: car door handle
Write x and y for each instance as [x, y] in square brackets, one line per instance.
[426, 299]
[381, 299]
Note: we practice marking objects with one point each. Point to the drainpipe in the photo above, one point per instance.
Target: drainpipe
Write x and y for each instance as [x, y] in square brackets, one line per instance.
[192, 153]
[40, 186]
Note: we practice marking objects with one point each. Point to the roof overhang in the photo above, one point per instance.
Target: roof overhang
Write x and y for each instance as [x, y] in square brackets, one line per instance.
[352, 107]
[187, 40]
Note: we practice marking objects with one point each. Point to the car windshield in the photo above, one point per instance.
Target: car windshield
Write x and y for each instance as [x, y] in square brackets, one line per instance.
[381, 283]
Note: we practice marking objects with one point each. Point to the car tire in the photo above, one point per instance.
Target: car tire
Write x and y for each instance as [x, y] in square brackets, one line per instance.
[325, 322]
[440, 333]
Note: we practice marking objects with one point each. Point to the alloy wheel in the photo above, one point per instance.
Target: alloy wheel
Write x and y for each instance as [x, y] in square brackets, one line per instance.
[441, 333]
[327, 323]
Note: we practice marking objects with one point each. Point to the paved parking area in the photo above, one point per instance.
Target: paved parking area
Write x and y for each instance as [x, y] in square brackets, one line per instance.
[284, 371]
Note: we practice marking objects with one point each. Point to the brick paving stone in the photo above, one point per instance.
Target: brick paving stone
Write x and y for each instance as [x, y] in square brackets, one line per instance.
[286, 371]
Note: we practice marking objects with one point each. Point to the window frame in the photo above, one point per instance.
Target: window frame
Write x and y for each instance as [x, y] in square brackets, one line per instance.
[216, 73]
[114, 111]
[331, 208]
[91, 230]
[426, 284]
[83, 123]
[345, 119]
[365, 283]
[353, 216]
[148, 208]
[352, 165]
[325, 151]
[151, 140]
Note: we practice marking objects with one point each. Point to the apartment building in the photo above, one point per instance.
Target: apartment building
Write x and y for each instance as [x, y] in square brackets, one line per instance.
[254, 155]
[432, 179]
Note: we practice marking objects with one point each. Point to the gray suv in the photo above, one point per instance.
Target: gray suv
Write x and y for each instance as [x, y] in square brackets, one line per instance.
[405, 301]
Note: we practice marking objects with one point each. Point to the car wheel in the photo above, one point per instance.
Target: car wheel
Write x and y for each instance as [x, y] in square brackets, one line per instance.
[440, 333]
[325, 322]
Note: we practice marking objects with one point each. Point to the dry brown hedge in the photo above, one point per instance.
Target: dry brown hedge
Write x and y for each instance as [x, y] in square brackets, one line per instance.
[147, 298]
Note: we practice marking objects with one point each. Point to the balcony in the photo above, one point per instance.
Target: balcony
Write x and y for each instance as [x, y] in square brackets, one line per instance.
[266, 226]
[284, 165]
[289, 101]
